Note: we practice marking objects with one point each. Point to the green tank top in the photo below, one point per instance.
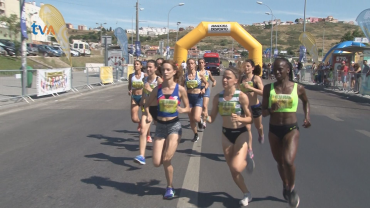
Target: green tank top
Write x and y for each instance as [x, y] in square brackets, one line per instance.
[287, 102]
[226, 108]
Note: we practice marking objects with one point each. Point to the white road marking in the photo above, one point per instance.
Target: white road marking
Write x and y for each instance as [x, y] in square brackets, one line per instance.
[191, 180]
[366, 133]
[334, 117]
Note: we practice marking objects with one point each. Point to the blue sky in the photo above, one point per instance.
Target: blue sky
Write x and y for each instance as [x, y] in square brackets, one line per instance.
[119, 13]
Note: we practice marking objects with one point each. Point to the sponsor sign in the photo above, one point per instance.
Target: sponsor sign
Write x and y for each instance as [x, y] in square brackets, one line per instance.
[50, 81]
[106, 74]
[219, 28]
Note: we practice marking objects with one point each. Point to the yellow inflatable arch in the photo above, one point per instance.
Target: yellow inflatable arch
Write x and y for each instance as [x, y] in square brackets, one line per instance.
[232, 29]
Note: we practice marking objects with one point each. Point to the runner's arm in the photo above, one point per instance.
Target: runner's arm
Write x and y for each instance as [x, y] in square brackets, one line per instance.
[265, 100]
[259, 90]
[185, 100]
[159, 80]
[212, 117]
[212, 78]
[151, 100]
[129, 84]
[306, 105]
[244, 102]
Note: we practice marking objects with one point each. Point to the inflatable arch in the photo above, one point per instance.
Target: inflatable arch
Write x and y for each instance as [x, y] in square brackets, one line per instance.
[232, 29]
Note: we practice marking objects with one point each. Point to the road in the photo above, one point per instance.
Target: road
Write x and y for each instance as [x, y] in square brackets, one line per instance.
[77, 152]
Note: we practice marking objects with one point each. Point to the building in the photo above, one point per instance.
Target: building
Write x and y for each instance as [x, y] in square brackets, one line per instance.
[150, 52]
[7, 8]
[69, 26]
[82, 27]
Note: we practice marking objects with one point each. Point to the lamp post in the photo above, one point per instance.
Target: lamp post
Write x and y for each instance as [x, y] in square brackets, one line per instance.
[268, 13]
[177, 35]
[168, 27]
[272, 26]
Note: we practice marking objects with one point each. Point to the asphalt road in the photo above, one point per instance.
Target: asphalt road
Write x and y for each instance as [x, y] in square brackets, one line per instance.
[77, 152]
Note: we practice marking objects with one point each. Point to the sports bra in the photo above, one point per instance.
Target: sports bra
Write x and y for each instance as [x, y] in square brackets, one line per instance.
[152, 85]
[287, 102]
[167, 104]
[137, 83]
[250, 83]
[226, 108]
[193, 83]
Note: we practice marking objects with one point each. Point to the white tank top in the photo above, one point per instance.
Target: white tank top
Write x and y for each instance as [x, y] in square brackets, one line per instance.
[137, 83]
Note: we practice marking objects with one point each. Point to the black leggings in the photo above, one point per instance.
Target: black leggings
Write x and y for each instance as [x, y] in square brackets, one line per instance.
[233, 134]
[281, 131]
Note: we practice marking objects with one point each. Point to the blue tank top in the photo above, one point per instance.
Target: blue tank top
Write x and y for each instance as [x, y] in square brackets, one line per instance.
[193, 83]
[167, 105]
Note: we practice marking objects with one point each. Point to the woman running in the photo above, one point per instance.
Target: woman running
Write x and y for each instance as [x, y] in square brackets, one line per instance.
[159, 62]
[168, 131]
[207, 94]
[251, 84]
[193, 81]
[135, 90]
[150, 82]
[232, 105]
[280, 101]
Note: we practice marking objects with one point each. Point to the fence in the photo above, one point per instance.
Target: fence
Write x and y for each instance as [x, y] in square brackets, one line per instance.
[81, 77]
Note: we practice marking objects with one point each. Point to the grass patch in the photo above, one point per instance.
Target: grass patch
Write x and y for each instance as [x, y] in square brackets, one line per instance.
[11, 63]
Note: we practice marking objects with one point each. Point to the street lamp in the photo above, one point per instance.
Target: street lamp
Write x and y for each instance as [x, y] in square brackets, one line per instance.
[268, 13]
[177, 35]
[168, 26]
[272, 26]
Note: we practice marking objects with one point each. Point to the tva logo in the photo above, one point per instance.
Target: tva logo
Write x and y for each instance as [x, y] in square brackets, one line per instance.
[50, 30]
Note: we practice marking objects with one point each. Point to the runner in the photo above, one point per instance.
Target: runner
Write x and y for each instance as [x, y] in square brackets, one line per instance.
[193, 81]
[207, 94]
[280, 101]
[231, 104]
[168, 131]
[251, 84]
[150, 82]
[135, 90]
[159, 62]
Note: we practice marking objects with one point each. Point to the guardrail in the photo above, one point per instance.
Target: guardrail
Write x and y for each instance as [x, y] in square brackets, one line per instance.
[81, 78]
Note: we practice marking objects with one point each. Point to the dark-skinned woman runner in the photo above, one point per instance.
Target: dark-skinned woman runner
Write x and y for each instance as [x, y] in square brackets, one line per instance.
[280, 102]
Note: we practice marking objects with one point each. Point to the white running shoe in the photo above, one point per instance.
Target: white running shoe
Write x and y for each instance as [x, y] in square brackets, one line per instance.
[246, 199]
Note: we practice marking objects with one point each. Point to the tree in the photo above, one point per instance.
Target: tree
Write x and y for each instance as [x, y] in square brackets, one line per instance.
[244, 54]
[110, 29]
[348, 36]
[13, 23]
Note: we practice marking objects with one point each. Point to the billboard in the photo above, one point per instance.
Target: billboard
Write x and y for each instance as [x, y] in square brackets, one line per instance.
[50, 81]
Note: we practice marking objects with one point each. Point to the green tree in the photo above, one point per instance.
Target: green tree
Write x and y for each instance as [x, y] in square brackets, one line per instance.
[244, 54]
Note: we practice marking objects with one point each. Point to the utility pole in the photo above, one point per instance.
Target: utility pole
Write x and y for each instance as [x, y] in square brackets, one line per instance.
[304, 17]
[23, 53]
[323, 39]
[137, 21]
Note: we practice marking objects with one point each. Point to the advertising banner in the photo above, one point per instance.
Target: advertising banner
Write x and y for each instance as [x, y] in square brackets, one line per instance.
[51, 81]
[363, 20]
[52, 17]
[309, 42]
[302, 54]
[23, 21]
[106, 74]
[123, 43]
[130, 70]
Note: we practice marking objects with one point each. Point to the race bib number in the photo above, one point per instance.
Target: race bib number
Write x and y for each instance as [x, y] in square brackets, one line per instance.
[137, 84]
[226, 108]
[192, 84]
[243, 89]
[284, 100]
[207, 77]
[153, 85]
[167, 105]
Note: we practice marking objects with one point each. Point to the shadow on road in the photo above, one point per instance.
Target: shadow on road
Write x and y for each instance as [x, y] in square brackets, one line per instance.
[268, 198]
[119, 142]
[115, 160]
[211, 156]
[146, 188]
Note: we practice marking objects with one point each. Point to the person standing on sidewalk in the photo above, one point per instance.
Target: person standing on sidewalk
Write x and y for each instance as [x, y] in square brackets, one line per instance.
[233, 106]
[280, 102]
[167, 97]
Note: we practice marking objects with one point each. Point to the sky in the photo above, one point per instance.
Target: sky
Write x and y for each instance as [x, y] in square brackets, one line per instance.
[119, 13]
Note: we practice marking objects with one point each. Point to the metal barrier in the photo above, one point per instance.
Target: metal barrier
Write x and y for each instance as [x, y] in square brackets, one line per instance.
[81, 77]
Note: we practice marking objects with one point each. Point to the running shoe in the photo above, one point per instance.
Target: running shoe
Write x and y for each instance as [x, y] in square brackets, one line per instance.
[285, 193]
[140, 159]
[196, 138]
[149, 139]
[246, 199]
[139, 127]
[261, 139]
[293, 199]
[170, 193]
[250, 162]
[204, 124]
[200, 124]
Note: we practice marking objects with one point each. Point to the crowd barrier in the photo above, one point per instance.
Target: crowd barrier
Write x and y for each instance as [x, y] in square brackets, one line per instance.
[81, 78]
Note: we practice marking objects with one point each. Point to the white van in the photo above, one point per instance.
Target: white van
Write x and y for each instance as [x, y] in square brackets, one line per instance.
[81, 47]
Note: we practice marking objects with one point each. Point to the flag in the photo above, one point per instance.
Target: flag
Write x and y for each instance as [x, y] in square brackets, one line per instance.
[52, 17]
[363, 20]
[23, 21]
[309, 43]
[122, 38]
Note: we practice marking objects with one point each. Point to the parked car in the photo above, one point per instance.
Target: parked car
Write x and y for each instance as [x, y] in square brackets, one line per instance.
[75, 53]
[32, 49]
[8, 46]
[46, 50]
[59, 49]
[2, 51]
